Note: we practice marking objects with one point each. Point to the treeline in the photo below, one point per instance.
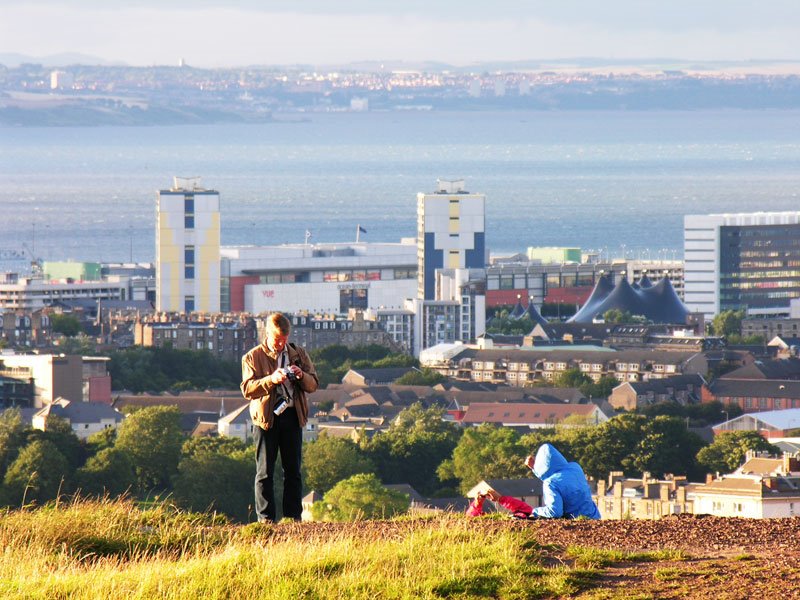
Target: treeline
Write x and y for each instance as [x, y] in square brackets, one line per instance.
[149, 456]
[150, 369]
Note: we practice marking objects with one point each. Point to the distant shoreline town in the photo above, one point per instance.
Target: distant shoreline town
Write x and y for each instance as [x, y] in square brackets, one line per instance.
[79, 95]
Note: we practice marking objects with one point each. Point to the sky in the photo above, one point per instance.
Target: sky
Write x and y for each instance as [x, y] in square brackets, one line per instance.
[207, 33]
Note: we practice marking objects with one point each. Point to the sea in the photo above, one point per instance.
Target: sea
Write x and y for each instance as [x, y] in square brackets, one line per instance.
[609, 182]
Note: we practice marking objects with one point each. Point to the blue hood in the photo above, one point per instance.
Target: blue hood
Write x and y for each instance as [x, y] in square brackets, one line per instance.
[548, 461]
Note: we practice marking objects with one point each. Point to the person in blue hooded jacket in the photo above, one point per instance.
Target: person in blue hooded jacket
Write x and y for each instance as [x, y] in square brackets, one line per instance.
[565, 491]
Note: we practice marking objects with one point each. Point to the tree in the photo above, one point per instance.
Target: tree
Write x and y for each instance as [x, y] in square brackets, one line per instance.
[225, 445]
[615, 315]
[604, 448]
[101, 440]
[80, 344]
[600, 389]
[413, 447]
[110, 471]
[12, 437]
[728, 450]
[571, 378]
[36, 475]
[152, 438]
[666, 446]
[728, 322]
[503, 324]
[421, 377]
[359, 498]
[486, 452]
[216, 481]
[67, 325]
[328, 460]
[142, 369]
[60, 433]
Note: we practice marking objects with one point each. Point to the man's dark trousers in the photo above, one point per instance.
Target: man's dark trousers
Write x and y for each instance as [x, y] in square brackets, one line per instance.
[285, 436]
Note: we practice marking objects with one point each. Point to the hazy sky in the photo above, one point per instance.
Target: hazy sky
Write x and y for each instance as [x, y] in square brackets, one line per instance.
[241, 32]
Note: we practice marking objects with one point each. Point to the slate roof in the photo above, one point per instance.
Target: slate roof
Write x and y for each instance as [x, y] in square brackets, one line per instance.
[187, 402]
[404, 488]
[591, 354]
[81, 412]
[523, 414]
[379, 376]
[240, 416]
[755, 388]
[781, 368]
[661, 386]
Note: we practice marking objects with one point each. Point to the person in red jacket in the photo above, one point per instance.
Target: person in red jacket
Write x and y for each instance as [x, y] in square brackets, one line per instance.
[518, 508]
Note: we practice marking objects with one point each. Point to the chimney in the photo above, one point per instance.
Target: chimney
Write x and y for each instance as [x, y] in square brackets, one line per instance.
[601, 488]
[709, 478]
[651, 490]
[664, 492]
[791, 463]
[617, 489]
[614, 477]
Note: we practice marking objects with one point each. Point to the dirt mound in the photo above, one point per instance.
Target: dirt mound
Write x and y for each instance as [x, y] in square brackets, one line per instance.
[725, 558]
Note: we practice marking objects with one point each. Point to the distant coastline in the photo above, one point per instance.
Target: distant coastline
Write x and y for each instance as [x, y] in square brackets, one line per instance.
[80, 95]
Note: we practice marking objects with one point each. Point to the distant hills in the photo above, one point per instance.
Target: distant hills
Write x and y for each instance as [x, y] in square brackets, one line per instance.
[13, 60]
[64, 59]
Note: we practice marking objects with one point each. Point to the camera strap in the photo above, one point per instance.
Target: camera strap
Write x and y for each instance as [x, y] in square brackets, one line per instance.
[288, 387]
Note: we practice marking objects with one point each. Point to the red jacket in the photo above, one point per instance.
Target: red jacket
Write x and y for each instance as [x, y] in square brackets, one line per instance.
[517, 507]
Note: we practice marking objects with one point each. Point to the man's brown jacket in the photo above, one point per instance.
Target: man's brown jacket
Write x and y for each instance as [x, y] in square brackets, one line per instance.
[257, 365]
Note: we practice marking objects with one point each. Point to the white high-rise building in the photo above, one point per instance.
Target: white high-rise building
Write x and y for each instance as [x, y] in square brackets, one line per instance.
[743, 261]
[451, 249]
[450, 233]
[187, 248]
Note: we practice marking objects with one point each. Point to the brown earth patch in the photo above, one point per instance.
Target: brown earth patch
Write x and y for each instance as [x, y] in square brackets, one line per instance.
[726, 558]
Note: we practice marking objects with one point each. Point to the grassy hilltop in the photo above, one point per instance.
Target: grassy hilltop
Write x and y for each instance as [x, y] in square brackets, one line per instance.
[116, 550]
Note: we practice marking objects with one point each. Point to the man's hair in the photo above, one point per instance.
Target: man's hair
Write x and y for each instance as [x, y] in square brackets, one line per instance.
[278, 322]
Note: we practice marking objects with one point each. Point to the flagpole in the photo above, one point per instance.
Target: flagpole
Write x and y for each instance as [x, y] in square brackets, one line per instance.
[358, 230]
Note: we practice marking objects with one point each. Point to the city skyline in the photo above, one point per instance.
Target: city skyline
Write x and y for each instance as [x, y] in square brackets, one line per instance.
[244, 32]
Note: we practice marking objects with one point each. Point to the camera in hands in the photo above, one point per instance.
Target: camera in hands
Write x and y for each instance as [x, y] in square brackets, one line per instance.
[290, 375]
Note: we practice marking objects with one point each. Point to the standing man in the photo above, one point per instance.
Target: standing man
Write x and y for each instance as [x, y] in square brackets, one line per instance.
[276, 376]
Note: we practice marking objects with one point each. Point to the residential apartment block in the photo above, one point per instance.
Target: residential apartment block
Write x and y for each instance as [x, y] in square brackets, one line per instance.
[643, 498]
[761, 488]
[226, 337]
[522, 367]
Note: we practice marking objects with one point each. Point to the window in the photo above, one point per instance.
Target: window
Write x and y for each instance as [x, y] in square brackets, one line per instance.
[188, 211]
[188, 272]
[188, 303]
